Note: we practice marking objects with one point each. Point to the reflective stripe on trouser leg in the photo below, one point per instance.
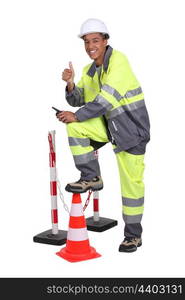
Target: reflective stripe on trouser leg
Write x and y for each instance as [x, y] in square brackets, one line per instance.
[79, 135]
[131, 168]
[88, 165]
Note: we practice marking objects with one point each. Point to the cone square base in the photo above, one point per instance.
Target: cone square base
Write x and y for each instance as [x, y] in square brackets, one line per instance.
[101, 225]
[64, 253]
[47, 237]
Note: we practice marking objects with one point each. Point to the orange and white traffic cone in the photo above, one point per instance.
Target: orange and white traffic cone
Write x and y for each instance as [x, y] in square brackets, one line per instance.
[77, 245]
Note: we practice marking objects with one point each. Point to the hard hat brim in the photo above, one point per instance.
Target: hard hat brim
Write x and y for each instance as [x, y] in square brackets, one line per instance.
[81, 35]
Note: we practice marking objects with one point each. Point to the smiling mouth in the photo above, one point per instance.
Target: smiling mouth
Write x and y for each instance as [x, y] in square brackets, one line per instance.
[92, 52]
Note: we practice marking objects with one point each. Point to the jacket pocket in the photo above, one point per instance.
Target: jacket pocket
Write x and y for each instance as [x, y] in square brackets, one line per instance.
[124, 131]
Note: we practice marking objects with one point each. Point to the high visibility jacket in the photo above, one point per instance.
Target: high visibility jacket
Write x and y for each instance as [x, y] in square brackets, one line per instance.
[116, 94]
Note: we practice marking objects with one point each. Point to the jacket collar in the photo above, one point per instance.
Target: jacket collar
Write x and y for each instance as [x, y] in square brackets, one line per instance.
[107, 56]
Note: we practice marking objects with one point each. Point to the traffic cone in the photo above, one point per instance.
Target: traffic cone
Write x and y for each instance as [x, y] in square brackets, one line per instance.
[77, 245]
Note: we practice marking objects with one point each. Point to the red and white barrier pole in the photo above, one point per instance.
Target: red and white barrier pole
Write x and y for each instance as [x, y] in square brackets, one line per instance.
[53, 182]
[96, 215]
[53, 236]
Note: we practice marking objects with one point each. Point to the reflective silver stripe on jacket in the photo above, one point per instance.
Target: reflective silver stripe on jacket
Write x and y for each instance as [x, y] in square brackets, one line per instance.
[84, 158]
[124, 108]
[132, 219]
[132, 202]
[103, 102]
[78, 141]
[90, 88]
[133, 93]
[107, 88]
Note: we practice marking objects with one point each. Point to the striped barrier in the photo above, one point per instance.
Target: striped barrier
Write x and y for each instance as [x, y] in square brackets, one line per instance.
[53, 182]
[52, 236]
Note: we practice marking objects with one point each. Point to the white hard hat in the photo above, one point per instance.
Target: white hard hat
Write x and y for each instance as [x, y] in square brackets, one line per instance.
[91, 26]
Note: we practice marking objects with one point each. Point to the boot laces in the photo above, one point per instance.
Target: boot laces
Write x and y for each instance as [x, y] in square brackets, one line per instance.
[129, 239]
[82, 181]
[87, 181]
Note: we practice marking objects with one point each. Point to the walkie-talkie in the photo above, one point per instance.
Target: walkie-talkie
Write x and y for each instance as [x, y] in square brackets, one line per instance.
[57, 110]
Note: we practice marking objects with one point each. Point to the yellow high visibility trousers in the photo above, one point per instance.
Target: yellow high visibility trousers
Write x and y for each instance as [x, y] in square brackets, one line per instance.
[83, 137]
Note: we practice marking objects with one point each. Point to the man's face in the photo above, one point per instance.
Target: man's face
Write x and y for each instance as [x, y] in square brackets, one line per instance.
[95, 46]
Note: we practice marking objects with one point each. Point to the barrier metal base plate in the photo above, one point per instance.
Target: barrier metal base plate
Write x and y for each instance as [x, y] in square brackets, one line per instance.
[47, 237]
[101, 225]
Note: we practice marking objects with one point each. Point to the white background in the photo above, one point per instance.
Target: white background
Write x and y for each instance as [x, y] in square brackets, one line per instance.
[38, 38]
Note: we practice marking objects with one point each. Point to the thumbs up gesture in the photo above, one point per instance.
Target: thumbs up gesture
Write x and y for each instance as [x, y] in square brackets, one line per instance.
[69, 74]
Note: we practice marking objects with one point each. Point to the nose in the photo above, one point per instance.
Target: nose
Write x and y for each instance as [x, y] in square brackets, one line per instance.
[90, 46]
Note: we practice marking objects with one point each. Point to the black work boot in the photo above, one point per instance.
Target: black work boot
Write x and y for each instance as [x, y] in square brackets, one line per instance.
[82, 186]
[130, 244]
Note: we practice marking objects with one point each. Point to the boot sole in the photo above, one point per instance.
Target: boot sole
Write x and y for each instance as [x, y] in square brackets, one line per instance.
[77, 191]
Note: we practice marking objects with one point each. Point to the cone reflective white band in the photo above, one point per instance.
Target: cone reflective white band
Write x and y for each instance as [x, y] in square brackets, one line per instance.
[76, 210]
[77, 234]
[53, 182]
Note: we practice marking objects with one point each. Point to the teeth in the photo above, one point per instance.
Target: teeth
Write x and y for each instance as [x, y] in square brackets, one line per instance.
[93, 51]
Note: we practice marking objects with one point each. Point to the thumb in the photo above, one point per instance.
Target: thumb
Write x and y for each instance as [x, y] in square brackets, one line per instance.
[71, 66]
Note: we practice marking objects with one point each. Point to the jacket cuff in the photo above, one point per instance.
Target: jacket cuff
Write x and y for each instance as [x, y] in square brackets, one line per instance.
[80, 116]
[68, 94]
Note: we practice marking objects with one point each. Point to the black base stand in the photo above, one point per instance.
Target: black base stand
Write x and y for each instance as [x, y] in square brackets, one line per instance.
[101, 225]
[47, 237]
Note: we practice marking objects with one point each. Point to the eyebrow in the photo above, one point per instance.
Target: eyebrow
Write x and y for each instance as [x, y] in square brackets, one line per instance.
[96, 38]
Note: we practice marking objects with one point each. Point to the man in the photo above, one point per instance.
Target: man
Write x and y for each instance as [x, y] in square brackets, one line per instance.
[112, 109]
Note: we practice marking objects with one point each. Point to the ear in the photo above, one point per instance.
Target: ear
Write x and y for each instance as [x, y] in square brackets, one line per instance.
[105, 42]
